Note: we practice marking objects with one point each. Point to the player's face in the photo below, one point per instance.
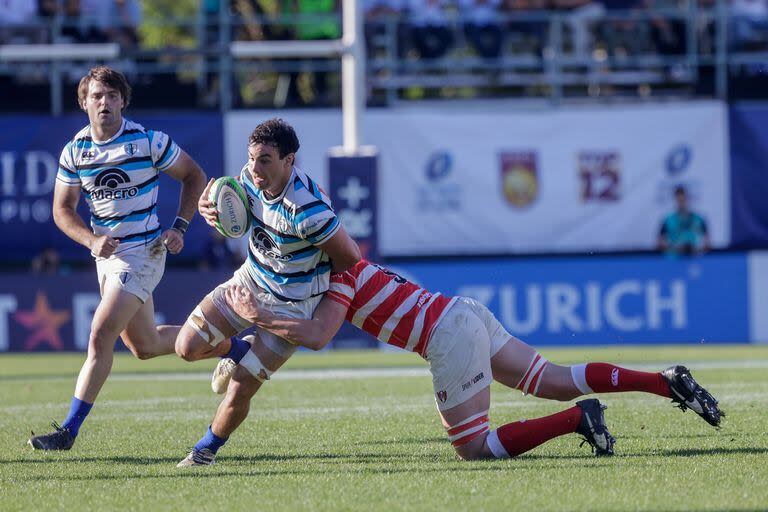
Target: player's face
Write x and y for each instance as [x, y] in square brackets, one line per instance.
[268, 171]
[104, 104]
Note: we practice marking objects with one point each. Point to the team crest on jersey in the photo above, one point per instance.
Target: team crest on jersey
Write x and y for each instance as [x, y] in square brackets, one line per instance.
[519, 177]
[130, 148]
[442, 396]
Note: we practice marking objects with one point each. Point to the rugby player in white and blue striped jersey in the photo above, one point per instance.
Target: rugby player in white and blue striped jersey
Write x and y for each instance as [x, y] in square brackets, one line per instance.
[116, 163]
[295, 241]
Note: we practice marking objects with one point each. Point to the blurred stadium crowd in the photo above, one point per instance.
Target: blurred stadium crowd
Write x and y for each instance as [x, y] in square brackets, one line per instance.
[416, 49]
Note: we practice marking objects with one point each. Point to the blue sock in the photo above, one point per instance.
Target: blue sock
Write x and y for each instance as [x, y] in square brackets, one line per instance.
[78, 410]
[238, 349]
[210, 441]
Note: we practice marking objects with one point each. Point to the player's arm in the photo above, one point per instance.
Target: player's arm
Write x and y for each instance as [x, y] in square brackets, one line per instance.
[314, 333]
[343, 251]
[192, 178]
[66, 218]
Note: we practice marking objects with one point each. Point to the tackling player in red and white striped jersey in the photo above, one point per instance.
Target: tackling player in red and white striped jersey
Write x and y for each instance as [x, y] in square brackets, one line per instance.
[387, 306]
[467, 348]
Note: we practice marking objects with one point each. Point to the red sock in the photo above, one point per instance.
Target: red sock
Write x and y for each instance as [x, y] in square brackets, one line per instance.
[607, 378]
[521, 436]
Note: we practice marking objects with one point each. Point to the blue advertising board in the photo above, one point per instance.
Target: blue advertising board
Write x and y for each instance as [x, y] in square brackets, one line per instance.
[30, 146]
[603, 300]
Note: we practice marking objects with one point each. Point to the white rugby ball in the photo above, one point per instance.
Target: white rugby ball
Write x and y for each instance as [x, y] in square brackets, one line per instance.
[231, 203]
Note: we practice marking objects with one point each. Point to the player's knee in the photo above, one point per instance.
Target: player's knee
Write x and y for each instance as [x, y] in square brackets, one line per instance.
[470, 453]
[101, 340]
[185, 349]
[141, 353]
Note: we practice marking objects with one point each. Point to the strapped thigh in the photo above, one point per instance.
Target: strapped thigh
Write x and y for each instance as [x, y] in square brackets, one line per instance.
[531, 380]
[468, 429]
[205, 329]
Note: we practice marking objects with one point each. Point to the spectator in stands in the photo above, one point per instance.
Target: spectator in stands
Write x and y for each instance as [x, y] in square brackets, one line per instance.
[17, 20]
[79, 27]
[683, 232]
[581, 16]
[217, 255]
[529, 33]
[481, 27]
[380, 16]
[748, 28]
[429, 29]
[318, 19]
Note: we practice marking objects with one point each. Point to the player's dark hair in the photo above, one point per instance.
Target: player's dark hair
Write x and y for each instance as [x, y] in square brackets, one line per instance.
[680, 191]
[277, 133]
[107, 76]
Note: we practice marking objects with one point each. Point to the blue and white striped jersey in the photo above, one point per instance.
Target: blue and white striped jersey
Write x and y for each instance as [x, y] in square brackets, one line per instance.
[119, 178]
[282, 255]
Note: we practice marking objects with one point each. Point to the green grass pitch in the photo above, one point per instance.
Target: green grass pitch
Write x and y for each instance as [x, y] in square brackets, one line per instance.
[353, 441]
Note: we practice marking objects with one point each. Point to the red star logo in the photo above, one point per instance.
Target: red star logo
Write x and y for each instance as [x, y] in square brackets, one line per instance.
[44, 324]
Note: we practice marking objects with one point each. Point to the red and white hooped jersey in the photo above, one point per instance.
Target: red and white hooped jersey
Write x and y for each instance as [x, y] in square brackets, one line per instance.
[388, 306]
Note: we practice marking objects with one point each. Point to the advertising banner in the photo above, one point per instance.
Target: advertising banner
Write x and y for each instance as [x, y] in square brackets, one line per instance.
[495, 180]
[30, 146]
[604, 300]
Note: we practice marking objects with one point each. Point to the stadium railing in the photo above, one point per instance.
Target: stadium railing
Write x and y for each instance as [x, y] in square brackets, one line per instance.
[536, 61]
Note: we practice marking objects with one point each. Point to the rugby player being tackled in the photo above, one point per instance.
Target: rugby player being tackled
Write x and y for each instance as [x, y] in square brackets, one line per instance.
[295, 241]
[467, 348]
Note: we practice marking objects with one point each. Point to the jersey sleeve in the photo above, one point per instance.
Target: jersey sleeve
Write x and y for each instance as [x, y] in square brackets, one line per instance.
[316, 222]
[67, 173]
[342, 288]
[164, 151]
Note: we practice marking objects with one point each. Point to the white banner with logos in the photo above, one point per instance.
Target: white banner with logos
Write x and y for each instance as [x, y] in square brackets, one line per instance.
[487, 178]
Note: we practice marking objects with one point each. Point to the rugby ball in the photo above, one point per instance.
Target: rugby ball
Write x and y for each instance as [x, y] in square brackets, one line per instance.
[231, 204]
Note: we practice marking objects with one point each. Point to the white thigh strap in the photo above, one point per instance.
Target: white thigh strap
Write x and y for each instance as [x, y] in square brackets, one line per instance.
[253, 364]
[204, 328]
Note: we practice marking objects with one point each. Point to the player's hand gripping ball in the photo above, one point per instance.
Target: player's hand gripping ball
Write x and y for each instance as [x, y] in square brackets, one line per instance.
[231, 204]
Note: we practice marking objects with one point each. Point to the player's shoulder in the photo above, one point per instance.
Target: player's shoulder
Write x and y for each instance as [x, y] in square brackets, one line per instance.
[82, 135]
[134, 127]
[305, 191]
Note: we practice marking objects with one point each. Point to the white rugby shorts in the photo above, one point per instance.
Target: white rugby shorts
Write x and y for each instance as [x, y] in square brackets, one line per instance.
[136, 271]
[298, 309]
[459, 355]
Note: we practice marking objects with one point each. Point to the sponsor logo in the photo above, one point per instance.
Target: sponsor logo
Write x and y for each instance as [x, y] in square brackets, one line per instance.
[473, 380]
[441, 193]
[615, 377]
[124, 277]
[88, 154]
[112, 179]
[600, 176]
[678, 159]
[264, 244]
[234, 227]
[677, 164]
[519, 177]
[130, 149]
[442, 396]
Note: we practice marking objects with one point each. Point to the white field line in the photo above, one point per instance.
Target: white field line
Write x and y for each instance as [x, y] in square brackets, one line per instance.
[275, 412]
[403, 372]
[196, 407]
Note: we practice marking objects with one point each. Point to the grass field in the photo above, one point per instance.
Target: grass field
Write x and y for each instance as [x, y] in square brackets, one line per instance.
[319, 439]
